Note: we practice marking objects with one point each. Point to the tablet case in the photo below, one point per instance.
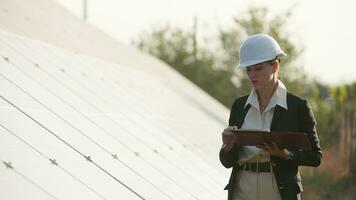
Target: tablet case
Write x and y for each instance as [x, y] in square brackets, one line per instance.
[284, 139]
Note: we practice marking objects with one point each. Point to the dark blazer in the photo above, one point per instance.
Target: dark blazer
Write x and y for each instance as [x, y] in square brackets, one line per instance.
[298, 117]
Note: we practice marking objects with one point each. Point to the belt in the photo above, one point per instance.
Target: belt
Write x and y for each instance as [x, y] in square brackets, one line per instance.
[257, 167]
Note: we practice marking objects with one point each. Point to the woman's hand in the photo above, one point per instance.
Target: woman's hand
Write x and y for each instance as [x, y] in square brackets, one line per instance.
[228, 137]
[274, 150]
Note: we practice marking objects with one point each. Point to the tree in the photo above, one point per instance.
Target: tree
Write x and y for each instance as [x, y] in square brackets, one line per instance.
[216, 73]
[179, 49]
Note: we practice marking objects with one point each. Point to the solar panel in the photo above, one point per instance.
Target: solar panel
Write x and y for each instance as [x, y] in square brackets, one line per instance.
[77, 127]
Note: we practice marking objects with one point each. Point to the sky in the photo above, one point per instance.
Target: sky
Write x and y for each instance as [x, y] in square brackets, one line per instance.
[325, 29]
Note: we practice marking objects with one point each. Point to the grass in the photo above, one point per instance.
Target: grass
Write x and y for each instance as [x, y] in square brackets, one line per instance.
[325, 186]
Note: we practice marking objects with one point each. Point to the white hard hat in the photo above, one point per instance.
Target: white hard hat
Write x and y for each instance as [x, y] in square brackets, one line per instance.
[258, 48]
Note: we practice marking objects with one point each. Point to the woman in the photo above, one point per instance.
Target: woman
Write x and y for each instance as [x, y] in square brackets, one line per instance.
[267, 171]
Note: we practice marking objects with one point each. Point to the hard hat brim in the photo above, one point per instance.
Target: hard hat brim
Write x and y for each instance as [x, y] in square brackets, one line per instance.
[259, 60]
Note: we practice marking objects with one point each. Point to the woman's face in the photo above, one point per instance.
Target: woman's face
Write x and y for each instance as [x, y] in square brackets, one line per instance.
[260, 75]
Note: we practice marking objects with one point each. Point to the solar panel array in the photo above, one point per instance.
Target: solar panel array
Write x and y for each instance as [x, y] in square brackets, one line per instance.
[77, 127]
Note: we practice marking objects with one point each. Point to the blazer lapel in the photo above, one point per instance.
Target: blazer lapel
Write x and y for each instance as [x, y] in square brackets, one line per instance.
[242, 115]
[280, 119]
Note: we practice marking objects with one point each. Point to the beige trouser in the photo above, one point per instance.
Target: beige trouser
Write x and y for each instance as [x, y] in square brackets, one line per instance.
[255, 186]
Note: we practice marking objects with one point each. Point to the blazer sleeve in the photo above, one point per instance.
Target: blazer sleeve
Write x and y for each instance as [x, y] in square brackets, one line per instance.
[230, 158]
[307, 124]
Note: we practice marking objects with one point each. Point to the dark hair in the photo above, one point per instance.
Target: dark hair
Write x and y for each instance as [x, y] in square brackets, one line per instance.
[277, 58]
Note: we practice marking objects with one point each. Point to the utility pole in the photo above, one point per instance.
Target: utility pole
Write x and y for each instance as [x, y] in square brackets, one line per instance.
[85, 9]
[195, 35]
